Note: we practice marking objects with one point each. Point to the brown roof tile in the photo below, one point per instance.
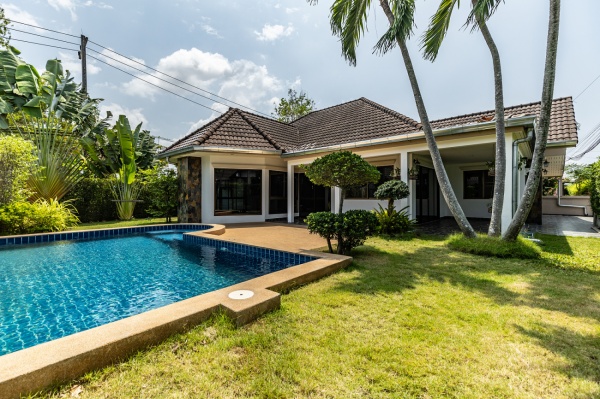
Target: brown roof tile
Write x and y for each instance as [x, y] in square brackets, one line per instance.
[563, 126]
[354, 121]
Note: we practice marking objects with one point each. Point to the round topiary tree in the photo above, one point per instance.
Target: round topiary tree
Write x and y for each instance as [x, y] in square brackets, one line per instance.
[391, 191]
[342, 169]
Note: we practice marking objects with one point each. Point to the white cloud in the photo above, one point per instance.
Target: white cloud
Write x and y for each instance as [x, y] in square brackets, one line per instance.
[193, 66]
[220, 108]
[210, 30]
[135, 115]
[270, 33]
[68, 5]
[13, 12]
[291, 10]
[250, 84]
[101, 5]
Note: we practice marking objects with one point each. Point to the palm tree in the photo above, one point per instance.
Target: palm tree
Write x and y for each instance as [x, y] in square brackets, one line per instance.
[541, 138]
[348, 19]
[432, 40]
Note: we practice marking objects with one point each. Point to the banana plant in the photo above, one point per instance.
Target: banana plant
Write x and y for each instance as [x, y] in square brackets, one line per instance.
[49, 110]
[127, 189]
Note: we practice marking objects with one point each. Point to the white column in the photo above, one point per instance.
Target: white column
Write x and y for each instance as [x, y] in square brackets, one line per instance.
[290, 193]
[508, 184]
[265, 189]
[336, 192]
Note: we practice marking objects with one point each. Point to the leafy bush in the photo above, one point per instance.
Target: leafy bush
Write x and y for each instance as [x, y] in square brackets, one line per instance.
[16, 163]
[323, 224]
[494, 246]
[162, 187]
[595, 188]
[355, 227]
[37, 217]
[350, 229]
[394, 222]
[92, 198]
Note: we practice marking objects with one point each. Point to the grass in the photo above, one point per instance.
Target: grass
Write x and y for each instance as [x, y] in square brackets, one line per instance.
[120, 223]
[409, 319]
[494, 246]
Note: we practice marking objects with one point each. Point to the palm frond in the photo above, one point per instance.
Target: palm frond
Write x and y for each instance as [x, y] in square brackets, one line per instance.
[400, 29]
[483, 9]
[348, 21]
[438, 27]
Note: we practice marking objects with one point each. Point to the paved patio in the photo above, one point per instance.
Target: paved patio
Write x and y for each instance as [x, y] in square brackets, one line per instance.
[575, 226]
[282, 236]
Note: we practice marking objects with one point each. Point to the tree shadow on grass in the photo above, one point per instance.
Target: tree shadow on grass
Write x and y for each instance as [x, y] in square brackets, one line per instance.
[581, 352]
[556, 244]
[541, 285]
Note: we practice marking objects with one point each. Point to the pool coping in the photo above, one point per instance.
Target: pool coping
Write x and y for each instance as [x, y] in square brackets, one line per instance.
[64, 359]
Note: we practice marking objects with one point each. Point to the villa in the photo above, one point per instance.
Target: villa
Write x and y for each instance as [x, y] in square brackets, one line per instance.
[242, 167]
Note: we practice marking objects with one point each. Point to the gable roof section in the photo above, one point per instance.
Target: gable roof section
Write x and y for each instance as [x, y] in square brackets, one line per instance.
[349, 122]
[563, 126]
[236, 129]
[354, 121]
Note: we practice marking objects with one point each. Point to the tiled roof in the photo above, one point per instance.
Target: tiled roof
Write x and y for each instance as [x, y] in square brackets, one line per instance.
[235, 129]
[563, 126]
[354, 121]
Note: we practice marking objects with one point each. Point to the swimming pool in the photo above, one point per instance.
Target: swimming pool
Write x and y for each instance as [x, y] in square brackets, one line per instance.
[54, 289]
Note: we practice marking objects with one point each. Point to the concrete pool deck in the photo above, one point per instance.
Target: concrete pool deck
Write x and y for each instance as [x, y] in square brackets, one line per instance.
[64, 359]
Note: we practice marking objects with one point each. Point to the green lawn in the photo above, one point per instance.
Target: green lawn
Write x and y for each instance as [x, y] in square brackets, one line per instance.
[409, 319]
[120, 223]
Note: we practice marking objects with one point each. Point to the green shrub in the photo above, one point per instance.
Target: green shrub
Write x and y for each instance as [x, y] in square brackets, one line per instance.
[323, 224]
[350, 229]
[595, 188]
[16, 164]
[356, 226]
[37, 217]
[394, 222]
[494, 246]
[391, 191]
[162, 188]
[92, 198]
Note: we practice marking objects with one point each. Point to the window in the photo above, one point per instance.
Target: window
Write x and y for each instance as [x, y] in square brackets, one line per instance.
[368, 191]
[238, 192]
[277, 192]
[478, 185]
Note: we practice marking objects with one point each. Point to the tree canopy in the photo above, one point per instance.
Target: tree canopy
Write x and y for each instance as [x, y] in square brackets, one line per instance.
[294, 106]
[342, 169]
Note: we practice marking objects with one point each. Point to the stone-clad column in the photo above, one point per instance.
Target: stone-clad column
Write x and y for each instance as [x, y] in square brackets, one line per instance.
[190, 190]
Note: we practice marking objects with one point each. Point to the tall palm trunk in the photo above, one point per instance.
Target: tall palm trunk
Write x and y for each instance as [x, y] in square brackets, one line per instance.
[440, 170]
[500, 162]
[541, 138]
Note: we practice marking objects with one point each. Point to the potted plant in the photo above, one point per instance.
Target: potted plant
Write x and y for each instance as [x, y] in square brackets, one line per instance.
[413, 173]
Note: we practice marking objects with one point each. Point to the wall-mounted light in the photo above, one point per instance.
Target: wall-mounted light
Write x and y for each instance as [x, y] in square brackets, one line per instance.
[545, 171]
[546, 163]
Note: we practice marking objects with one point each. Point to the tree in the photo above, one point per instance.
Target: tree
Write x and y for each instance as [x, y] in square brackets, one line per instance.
[595, 190]
[293, 107]
[162, 186]
[391, 191]
[580, 176]
[16, 164]
[51, 111]
[348, 20]
[541, 138]
[4, 34]
[342, 169]
[432, 40]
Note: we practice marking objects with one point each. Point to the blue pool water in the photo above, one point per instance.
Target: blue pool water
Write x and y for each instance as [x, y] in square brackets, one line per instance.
[48, 291]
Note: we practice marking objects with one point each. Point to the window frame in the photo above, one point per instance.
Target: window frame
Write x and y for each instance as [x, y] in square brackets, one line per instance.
[246, 197]
[485, 187]
[370, 188]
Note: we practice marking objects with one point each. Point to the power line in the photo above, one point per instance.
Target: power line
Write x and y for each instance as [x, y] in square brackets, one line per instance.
[45, 37]
[155, 85]
[587, 87]
[176, 79]
[40, 44]
[156, 77]
[39, 27]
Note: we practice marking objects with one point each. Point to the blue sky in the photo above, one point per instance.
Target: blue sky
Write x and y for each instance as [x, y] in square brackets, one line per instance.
[251, 52]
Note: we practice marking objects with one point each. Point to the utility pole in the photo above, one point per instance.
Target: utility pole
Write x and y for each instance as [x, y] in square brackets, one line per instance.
[82, 57]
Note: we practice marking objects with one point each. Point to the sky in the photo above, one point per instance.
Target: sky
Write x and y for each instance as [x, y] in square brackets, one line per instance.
[252, 52]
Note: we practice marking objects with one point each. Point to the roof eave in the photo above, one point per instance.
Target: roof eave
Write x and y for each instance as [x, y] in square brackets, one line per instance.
[197, 148]
[525, 121]
[562, 143]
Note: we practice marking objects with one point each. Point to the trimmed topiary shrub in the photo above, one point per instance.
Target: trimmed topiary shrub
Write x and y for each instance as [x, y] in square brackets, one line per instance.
[323, 224]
